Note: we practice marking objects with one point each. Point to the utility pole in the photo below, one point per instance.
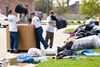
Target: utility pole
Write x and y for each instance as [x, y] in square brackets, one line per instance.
[7, 6]
[47, 10]
[0, 5]
[68, 3]
[33, 6]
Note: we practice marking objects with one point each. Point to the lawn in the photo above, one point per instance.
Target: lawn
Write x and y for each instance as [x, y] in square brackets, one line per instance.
[85, 62]
[71, 29]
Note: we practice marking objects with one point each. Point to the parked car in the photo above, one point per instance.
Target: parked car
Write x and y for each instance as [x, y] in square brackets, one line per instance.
[3, 20]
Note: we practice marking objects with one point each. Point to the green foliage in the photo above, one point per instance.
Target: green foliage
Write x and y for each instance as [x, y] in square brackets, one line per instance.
[61, 10]
[44, 5]
[62, 7]
[90, 7]
[75, 22]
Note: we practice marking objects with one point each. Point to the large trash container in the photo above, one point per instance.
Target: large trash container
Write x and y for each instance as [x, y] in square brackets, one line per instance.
[26, 36]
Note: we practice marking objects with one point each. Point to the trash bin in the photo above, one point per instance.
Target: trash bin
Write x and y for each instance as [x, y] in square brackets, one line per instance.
[26, 36]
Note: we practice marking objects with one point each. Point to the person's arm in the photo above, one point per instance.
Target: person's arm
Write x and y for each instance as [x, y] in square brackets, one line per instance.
[50, 21]
[16, 19]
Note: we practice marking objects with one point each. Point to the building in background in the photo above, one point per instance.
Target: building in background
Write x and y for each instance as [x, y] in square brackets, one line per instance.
[74, 8]
[5, 5]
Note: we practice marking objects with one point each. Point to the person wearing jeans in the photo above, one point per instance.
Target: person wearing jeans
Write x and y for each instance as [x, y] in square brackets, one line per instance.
[38, 32]
[13, 32]
[14, 40]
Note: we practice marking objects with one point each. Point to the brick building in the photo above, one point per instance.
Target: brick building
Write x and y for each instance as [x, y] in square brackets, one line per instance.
[6, 4]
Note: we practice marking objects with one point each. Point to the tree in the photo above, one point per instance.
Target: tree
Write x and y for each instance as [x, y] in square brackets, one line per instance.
[44, 5]
[7, 6]
[90, 7]
[68, 2]
[62, 6]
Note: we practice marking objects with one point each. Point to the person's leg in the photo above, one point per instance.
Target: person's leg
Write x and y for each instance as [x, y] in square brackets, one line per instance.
[51, 39]
[16, 40]
[47, 36]
[39, 33]
[37, 39]
[11, 41]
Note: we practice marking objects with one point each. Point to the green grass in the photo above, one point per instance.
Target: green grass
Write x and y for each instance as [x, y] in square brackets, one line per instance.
[70, 29]
[85, 62]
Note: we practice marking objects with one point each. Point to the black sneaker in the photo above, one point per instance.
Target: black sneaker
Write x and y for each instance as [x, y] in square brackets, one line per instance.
[11, 51]
[46, 47]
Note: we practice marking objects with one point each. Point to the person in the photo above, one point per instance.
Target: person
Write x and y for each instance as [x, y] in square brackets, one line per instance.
[25, 16]
[13, 32]
[38, 31]
[50, 28]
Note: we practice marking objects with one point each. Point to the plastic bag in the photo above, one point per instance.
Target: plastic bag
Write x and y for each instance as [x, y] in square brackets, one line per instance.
[25, 59]
[34, 52]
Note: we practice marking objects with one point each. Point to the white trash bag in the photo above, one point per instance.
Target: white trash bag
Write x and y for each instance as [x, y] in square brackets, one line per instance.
[50, 52]
[34, 52]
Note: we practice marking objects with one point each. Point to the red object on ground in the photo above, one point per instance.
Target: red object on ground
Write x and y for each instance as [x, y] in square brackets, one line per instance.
[72, 34]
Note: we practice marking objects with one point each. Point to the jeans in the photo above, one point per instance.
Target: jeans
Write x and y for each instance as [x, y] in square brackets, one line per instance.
[13, 40]
[39, 38]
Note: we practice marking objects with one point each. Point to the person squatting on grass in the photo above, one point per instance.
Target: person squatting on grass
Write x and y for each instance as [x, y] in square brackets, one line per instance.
[38, 31]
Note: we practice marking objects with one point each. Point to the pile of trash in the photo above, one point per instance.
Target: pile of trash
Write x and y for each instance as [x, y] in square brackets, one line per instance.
[35, 55]
[85, 37]
[87, 30]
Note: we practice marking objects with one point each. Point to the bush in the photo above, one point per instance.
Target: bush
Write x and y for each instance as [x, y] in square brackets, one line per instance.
[75, 22]
[79, 22]
[70, 21]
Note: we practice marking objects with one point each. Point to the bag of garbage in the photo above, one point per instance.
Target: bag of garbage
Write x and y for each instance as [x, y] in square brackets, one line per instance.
[20, 9]
[65, 53]
[89, 42]
[50, 52]
[67, 46]
[34, 52]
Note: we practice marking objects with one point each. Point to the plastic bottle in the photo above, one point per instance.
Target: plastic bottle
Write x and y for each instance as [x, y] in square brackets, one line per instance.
[5, 62]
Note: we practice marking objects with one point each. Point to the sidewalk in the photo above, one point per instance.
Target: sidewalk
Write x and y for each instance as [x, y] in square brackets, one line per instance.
[59, 37]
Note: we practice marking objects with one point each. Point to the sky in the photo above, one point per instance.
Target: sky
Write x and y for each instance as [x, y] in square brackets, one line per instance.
[72, 1]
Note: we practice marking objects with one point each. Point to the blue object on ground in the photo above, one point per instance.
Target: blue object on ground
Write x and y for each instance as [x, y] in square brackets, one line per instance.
[25, 59]
[89, 52]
